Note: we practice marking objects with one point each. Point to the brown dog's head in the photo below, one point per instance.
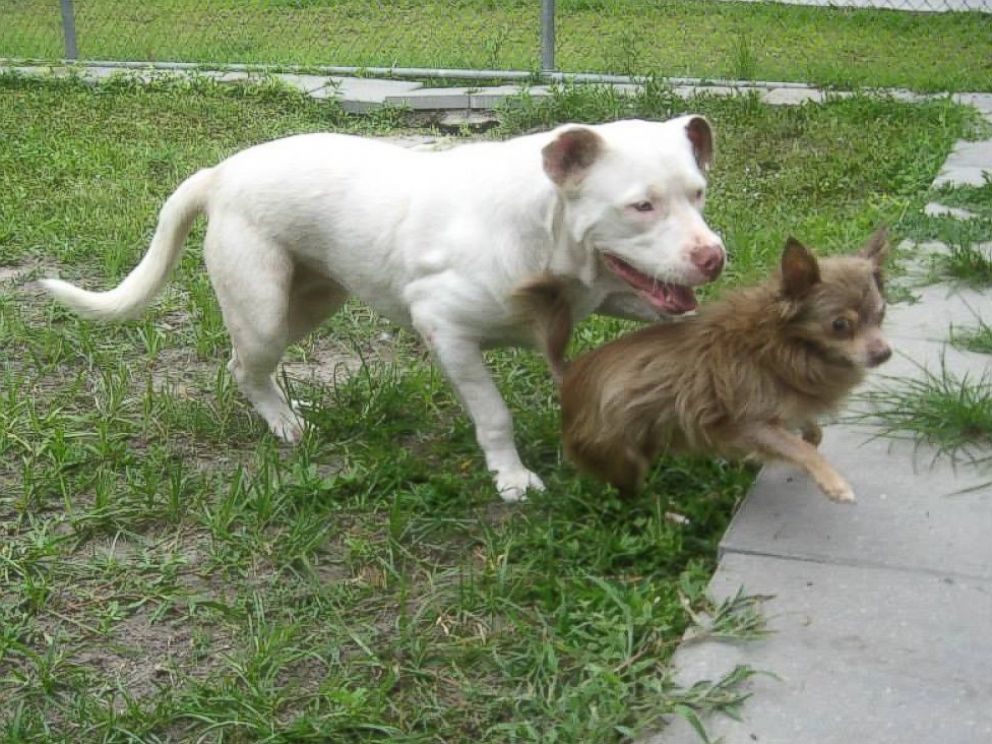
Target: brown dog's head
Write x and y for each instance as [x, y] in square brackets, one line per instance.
[836, 304]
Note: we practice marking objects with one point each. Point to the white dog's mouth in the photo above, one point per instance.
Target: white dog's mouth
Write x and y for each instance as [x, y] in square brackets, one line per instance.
[674, 299]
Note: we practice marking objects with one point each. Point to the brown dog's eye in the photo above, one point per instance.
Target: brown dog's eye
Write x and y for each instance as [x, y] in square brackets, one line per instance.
[842, 325]
[642, 206]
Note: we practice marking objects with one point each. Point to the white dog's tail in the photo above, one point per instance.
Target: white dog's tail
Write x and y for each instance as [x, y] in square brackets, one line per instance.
[146, 280]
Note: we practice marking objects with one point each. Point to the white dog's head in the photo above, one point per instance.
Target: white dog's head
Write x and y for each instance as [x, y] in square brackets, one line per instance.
[633, 194]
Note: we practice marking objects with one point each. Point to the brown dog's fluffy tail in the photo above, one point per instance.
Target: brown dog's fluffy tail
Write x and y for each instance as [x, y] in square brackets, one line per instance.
[543, 302]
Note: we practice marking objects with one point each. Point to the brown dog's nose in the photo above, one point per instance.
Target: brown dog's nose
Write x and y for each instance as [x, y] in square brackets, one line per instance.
[878, 354]
[708, 259]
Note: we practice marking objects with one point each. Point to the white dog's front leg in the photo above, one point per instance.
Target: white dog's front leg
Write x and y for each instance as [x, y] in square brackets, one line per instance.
[462, 362]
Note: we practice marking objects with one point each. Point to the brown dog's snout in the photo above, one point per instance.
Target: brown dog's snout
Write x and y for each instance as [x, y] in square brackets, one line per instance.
[878, 352]
[708, 259]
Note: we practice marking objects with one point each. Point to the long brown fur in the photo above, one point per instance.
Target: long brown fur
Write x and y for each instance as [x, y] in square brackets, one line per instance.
[739, 379]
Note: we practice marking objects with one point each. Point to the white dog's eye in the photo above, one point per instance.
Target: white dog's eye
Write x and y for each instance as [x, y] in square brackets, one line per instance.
[642, 206]
[699, 195]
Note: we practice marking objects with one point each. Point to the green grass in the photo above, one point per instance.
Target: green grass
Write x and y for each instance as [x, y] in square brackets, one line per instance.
[698, 38]
[169, 572]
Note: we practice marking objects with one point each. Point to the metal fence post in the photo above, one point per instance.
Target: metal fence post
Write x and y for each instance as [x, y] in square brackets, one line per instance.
[547, 35]
[69, 30]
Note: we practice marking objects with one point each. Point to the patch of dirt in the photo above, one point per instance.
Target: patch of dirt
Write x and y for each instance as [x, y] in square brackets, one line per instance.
[13, 274]
[179, 372]
[143, 655]
[325, 365]
[18, 281]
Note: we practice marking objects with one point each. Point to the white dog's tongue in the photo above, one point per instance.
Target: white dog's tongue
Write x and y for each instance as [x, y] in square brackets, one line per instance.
[672, 298]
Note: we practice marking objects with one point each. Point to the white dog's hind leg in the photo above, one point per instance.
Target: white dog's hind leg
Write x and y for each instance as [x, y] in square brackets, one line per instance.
[252, 279]
[312, 300]
[463, 364]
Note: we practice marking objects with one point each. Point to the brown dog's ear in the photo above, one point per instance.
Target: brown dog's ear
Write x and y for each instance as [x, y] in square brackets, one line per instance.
[700, 134]
[800, 271]
[569, 157]
[877, 247]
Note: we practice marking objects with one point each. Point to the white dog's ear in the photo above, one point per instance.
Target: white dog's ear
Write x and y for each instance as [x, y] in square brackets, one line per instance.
[700, 134]
[571, 154]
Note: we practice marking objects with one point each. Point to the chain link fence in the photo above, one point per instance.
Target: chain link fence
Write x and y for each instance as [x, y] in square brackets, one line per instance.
[813, 40]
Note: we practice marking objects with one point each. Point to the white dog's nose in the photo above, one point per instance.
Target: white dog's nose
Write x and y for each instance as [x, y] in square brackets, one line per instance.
[708, 259]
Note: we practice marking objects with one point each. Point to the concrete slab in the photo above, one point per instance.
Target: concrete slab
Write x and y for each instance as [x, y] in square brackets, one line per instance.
[361, 95]
[100, 73]
[966, 165]
[686, 91]
[716, 90]
[491, 97]
[305, 83]
[916, 263]
[234, 76]
[456, 120]
[907, 96]
[981, 101]
[38, 70]
[912, 511]
[935, 209]
[792, 96]
[915, 358]
[860, 655]
[977, 154]
[627, 89]
[431, 99]
[96, 74]
[937, 308]
[965, 175]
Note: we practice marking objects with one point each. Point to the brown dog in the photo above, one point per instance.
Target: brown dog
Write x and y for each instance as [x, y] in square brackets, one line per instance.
[739, 379]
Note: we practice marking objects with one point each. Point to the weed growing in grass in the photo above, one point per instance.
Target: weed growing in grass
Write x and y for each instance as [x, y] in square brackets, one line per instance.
[721, 696]
[947, 230]
[977, 338]
[969, 264]
[962, 253]
[976, 199]
[738, 616]
[954, 414]
[745, 60]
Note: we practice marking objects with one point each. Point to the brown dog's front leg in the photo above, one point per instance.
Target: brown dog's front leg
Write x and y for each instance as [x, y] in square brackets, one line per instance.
[775, 441]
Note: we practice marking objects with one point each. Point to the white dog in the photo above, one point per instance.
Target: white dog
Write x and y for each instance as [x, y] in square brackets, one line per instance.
[435, 241]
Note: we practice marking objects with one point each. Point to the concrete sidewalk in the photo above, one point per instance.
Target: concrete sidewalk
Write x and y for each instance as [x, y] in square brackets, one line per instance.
[881, 612]
[361, 95]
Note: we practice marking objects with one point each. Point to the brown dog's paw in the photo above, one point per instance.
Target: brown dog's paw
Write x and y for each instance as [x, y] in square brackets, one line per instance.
[840, 492]
[812, 433]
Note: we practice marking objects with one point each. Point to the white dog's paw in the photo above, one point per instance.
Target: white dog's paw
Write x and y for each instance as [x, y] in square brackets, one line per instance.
[287, 427]
[514, 484]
